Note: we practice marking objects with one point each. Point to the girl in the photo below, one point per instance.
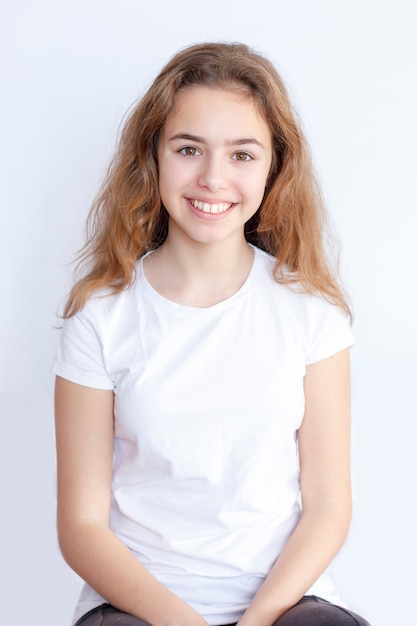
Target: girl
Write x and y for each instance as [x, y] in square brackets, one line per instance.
[202, 391]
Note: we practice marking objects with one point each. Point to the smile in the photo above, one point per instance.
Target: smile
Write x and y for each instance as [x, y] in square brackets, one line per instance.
[219, 207]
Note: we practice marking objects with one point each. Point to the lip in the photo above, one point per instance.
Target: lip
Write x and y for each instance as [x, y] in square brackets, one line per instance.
[211, 201]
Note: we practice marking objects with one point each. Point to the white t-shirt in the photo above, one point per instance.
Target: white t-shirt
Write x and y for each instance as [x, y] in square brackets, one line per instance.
[207, 406]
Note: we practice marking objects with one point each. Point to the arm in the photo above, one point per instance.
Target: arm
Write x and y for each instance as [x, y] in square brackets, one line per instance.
[324, 446]
[84, 434]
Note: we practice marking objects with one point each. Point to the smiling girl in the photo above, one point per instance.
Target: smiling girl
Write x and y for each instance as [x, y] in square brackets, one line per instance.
[202, 390]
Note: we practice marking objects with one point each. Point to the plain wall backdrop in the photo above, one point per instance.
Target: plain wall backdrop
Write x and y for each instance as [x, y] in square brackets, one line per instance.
[69, 72]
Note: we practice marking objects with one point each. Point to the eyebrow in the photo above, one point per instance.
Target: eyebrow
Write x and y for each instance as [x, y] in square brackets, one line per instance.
[229, 142]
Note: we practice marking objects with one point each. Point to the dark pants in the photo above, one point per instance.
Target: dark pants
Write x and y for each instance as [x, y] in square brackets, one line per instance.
[310, 611]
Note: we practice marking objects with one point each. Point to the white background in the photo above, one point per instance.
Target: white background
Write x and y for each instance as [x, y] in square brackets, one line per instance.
[69, 71]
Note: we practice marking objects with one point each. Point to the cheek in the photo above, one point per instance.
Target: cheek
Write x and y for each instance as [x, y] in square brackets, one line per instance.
[172, 174]
[165, 176]
[255, 185]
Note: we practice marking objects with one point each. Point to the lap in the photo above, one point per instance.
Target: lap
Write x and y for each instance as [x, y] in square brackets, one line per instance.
[107, 615]
[310, 611]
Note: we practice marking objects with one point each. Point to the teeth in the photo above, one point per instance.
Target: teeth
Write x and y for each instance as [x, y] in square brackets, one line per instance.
[220, 207]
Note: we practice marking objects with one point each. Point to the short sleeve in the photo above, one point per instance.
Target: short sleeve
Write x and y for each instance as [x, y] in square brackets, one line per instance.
[79, 355]
[329, 330]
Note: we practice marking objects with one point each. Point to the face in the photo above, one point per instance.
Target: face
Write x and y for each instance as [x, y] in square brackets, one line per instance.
[214, 156]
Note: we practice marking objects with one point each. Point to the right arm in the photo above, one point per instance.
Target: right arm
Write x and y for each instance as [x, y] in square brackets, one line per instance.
[84, 439]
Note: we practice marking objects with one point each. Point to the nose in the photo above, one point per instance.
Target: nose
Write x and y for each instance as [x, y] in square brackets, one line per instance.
[213, 174]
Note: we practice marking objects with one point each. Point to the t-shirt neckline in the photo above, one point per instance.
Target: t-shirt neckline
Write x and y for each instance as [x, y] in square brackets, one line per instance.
[223, 304]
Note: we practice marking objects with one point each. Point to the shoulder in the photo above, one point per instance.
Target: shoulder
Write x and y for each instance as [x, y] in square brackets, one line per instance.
[321, 326]
[104, 306]
[90, 338]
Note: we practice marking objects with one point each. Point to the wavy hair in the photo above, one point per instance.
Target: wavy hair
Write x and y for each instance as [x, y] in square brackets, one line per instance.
[127, 218]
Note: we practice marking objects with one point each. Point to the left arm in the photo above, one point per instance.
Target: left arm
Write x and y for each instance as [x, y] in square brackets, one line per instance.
[324, 448]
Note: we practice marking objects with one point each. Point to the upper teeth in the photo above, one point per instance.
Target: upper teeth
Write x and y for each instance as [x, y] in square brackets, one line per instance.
[211, 208]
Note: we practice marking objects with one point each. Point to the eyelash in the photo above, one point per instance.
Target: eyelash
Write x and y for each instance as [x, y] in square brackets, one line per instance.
[247, 156]
[184, 150]
[195, 152]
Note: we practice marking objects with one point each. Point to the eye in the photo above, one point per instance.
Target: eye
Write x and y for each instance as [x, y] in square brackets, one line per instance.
[189, 151]
[242, 156]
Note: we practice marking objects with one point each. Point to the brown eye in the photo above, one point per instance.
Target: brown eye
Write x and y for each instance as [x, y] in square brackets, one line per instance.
[189, 151]
[242, 156]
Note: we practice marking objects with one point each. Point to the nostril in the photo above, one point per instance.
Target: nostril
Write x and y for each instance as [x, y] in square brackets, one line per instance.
[213, 181]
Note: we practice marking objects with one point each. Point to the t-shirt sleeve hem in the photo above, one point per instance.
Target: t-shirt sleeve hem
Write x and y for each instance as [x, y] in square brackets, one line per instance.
[328, 351]
[73, 376]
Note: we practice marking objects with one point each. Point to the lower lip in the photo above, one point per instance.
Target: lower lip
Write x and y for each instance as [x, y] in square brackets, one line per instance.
[209, 216]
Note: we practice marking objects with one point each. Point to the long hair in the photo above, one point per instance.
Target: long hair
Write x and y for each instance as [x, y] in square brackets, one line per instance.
[127, 218]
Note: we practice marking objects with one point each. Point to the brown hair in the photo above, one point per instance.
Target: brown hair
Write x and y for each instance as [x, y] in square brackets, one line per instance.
[127, 218]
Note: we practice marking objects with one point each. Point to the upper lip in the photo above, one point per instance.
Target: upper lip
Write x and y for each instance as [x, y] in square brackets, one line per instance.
[211, 200]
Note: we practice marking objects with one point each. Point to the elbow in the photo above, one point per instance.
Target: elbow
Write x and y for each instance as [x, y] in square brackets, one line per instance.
[339, 520]
[344, 512]
[76, 539]
[344, 522]
[68, 538]
[333, 518]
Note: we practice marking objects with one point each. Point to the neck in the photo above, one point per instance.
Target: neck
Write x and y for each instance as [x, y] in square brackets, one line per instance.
[198, 274]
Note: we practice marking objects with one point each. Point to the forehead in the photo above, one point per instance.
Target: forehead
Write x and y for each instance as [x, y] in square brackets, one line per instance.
[202, 105]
